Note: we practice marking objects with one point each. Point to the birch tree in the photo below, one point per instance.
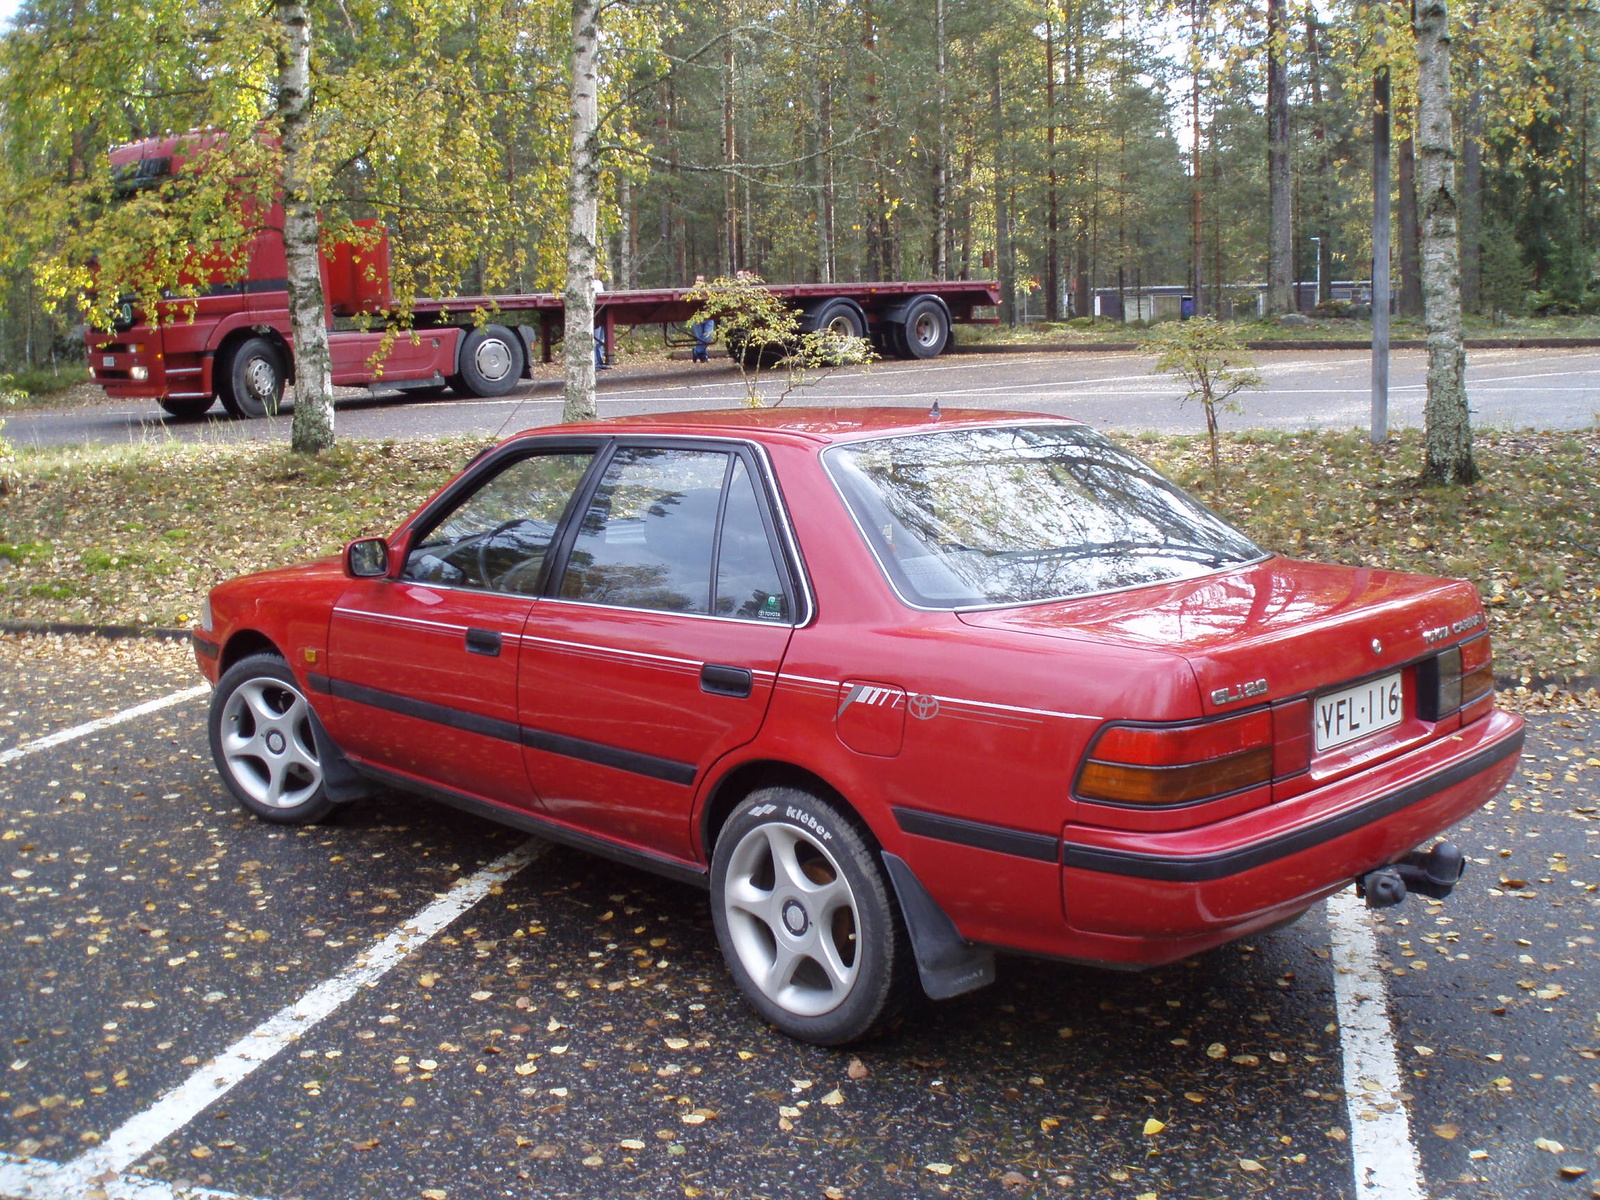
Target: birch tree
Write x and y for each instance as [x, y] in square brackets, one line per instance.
[1447, 418]
[313, 371]
[583, 209]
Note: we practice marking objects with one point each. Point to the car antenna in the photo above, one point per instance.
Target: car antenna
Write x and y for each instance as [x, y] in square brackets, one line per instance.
[933, 413]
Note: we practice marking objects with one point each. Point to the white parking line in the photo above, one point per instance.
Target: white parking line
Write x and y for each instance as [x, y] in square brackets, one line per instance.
[78, 731]
[100, 1172]
[1382, 1152]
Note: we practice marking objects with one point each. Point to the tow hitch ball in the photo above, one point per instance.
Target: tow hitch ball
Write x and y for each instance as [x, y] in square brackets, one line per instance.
[1433, 873]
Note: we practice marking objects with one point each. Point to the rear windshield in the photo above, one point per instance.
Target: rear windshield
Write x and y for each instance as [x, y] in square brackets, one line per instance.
[1010, 515]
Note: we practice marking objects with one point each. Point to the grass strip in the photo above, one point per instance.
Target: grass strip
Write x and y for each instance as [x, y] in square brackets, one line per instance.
[136, 535]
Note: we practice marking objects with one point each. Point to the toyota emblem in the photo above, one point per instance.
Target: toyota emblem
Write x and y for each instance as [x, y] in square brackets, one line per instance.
[923, 706]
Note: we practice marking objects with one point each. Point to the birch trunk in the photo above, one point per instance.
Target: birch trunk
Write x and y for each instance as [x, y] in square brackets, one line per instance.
[583, 207]
[308, 321]
[1280, 245]
[1447, 418]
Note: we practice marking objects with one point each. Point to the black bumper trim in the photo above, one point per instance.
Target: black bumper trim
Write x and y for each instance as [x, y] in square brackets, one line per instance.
[1202, 869]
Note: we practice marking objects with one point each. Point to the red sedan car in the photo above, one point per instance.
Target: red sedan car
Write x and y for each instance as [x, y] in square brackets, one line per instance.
[899, 689]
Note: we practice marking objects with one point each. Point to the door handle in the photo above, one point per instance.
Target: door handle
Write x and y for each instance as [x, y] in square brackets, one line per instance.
[726, 681]
[483, 641]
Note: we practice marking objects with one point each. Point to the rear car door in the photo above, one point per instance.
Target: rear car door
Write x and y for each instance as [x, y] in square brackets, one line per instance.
[657, 648]
[423, 667]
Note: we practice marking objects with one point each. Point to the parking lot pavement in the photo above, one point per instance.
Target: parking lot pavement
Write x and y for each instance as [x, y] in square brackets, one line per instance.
[204, 1001]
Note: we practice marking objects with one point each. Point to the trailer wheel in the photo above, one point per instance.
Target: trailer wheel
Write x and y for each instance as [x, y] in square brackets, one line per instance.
[187, 406]
[925, 329]
[252, 379]
[491, 361]
[838, 316]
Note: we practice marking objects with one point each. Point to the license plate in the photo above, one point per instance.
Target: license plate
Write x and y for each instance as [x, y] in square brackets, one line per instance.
[1354, 712]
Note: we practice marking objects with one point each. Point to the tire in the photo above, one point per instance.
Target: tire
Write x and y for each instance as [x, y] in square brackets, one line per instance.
[838, 316]
[925, 330]
[252, 379]
[806, 919]
[187, 406]
[260, 728]
[491, 362]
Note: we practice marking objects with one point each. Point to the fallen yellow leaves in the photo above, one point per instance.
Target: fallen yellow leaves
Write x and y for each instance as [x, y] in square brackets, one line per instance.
[1153, 1127]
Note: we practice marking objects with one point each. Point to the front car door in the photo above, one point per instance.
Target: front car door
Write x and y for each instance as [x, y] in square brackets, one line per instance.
[659, 644]
[423, 667]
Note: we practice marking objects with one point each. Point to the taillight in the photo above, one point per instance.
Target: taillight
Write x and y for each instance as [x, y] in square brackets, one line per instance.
[1455, 679]
[1178, 764]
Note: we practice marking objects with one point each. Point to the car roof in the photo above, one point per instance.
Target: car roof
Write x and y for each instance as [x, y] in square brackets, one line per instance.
[816, 425]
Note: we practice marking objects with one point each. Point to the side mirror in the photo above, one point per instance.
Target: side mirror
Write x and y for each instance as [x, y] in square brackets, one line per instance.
[367, 558]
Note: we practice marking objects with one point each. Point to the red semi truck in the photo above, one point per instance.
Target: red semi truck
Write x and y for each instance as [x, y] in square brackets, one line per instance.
[232, 341]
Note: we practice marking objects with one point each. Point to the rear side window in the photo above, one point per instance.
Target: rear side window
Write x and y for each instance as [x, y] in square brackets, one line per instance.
[676, 531]
[1014, 514]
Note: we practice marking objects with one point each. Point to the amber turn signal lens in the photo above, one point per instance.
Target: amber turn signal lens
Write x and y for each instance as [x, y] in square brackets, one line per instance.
[1120, 783]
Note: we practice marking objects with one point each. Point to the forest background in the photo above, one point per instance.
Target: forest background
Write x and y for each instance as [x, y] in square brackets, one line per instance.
[1057, 147]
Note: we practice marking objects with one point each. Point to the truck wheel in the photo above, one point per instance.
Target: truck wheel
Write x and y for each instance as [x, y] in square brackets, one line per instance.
[926, 328]
[491, 361]
[837, 316]
[806, 919]
[187, 406]
[252, 379]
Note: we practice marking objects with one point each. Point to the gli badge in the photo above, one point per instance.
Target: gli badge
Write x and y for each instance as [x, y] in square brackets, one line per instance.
[923, 707]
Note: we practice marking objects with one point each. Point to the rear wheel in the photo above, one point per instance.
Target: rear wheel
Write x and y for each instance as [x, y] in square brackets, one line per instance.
[806, 920]
[261, 734]
[187, 406]
[490, 361]
[252, 379]
[926, 328]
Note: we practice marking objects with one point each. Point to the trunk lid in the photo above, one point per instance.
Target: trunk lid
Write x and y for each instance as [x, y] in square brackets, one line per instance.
[1270, 631]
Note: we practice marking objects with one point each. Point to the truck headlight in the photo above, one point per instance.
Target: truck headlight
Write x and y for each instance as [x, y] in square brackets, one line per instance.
[138, 374]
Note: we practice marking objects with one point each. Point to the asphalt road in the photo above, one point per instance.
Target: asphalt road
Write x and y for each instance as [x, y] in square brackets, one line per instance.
[202, 1001]
[1543, 389]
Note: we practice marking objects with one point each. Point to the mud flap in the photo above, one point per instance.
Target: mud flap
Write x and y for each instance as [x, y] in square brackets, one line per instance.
[947, 963]
[340, 779]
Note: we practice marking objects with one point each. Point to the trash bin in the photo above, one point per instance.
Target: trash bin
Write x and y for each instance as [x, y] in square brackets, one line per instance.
[1185, 307]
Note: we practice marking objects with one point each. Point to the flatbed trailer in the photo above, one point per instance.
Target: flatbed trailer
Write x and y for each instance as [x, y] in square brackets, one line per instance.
[231, 341]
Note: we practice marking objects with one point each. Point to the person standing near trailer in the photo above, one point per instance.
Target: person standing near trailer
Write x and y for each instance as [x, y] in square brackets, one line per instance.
[705, 332]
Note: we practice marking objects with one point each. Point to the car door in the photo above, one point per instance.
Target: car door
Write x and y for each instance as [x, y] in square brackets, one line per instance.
[423, 666]
[658, 647]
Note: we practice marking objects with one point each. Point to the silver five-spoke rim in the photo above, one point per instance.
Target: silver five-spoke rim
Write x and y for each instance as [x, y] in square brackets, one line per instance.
[268, 744]
[792, 919]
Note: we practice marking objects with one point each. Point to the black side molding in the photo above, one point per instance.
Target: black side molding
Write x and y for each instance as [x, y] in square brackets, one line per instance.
[1041, 847]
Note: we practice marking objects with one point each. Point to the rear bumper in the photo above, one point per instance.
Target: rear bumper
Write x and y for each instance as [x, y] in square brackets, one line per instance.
[1139, 899]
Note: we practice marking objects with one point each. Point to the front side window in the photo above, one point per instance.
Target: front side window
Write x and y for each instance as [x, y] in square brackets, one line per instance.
[676, 531]
[497, 537]
[1015, 514]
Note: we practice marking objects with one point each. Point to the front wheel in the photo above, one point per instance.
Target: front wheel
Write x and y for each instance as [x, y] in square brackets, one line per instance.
[186, 406]
[252, 380]
[806, 921]
[490, 362]
[260, 727]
